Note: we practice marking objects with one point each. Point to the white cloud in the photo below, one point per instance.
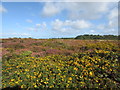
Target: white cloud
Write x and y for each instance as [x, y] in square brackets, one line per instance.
[29, 21]
[107, 29]
[111, 26]
[79, 13]
[44, 24]
[2, 9]
[113, 18]
[37, 27]
[31, 29]
[41, 26]
[20, 34]
[111, 31]
[92, 31]
[50, 9]
[101, 27]
[80, 24]
[113, 13]
[86, 10]
[77, 10]
[25, 34]
[16, 34]
[70, 25]
[113, 23]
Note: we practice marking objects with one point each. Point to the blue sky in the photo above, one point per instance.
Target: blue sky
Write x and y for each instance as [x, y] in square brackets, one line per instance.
[58, 19]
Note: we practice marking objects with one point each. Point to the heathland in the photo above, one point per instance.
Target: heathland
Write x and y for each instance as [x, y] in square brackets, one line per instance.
[60, 63]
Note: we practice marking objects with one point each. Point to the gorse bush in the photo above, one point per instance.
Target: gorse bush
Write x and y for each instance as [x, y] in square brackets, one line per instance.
[57, 71]
[94, 67]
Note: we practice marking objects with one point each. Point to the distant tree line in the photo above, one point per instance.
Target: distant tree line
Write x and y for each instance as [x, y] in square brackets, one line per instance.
[84, 37]
[63, 38]
[103, 37]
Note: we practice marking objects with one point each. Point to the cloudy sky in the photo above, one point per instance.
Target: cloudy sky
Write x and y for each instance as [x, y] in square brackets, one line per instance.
[58, 19]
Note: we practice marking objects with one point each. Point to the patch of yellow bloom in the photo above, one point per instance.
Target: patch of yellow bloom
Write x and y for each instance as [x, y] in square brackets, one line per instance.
[91, 73]
[46, 82]
[12, 80]
[16, 82]
[35, 86]
[70, 78]
[26, 70]
[75, 68]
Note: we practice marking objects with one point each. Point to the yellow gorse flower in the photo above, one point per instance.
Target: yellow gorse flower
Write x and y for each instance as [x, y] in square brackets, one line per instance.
[91, 73]
[70, 78]
[12, 80]
[26, 70]
[35, 86]
[75, 68]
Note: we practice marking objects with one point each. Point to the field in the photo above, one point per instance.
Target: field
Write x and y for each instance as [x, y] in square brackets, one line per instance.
[60, 63]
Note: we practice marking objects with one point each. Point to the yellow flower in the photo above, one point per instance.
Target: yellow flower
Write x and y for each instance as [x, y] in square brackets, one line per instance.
[28, 76]
[96, 80]
[83, 83]
[46, 82]
[103, 67]
[17, 66]
[70, 78]
[75, 68]
[47, 79]
[12, 79]
[68, 81]
[62, 79]
[26, 70]
[75, 63]
[34, 65]
[11, 83]
[32, 77]
[51, 86]
[91, 73]
[35, 86]
[22, 86]
[35, 73]
[67, 85]
[58, 73]
[16, 82]
[110, 69]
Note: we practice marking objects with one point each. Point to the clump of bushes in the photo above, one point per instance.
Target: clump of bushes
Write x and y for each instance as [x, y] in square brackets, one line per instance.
[81, 70]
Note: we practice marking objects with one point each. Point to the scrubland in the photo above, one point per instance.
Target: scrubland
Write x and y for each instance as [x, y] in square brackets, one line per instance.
[60, 63]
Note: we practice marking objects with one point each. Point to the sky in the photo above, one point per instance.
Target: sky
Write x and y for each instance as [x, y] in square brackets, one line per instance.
[58, 19]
